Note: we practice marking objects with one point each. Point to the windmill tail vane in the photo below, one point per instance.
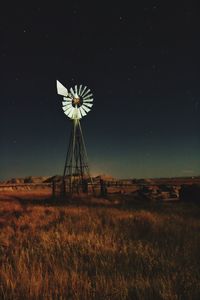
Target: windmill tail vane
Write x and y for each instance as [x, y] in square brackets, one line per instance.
[77, 102]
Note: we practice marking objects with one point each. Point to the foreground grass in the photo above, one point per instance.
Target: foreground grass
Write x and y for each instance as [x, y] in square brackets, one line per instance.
[88, 252]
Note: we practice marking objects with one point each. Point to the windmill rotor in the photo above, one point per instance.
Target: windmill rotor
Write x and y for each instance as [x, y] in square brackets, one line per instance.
[77, 102]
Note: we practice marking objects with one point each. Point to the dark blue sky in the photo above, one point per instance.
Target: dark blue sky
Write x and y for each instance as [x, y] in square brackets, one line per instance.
[142, 65]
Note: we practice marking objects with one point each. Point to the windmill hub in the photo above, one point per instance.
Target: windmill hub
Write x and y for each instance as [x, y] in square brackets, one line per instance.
[76, 101]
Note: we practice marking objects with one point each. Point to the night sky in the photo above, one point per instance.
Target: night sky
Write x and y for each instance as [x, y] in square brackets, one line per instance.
[141, 62]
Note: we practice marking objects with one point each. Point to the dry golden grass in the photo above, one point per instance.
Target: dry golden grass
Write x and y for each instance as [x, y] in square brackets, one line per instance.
[99, 252]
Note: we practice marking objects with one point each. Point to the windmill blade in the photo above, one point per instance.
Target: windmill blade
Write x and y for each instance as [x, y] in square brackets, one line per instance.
[69, 101]
[86, 108]
[76, 91]
[70, 114]
[88, 100]
[79, 91]
[86, 92]
[88, 104]
[61, 90]
[67, 111]
[66, 103]
[83, 113]
[87, 97]
[85, 87]
[71, 90]
[67, 107]
[67, 98]
[79, 113]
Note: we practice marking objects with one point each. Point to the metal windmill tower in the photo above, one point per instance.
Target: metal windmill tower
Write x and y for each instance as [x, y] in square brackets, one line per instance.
[76, 103]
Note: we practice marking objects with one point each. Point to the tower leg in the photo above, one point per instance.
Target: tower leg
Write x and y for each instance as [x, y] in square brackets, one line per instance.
[76, 175]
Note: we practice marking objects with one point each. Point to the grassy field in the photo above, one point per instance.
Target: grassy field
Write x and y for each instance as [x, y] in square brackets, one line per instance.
[99, 250]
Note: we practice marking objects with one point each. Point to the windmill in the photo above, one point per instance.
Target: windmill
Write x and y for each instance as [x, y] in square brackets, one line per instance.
[76, 104]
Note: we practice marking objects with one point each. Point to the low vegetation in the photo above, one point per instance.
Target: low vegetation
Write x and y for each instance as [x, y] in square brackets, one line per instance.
[99, 250]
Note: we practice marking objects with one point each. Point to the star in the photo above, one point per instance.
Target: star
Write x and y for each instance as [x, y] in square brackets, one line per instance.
[140, 44]
[164, 51]
[150, 27]
[188, 92]
[154, 67]
[196, 105]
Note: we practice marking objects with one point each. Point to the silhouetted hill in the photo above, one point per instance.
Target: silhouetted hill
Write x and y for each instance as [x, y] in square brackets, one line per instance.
[55, 178]
[35, 179]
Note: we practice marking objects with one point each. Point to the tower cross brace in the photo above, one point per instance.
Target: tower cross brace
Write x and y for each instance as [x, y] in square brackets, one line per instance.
[76, 175]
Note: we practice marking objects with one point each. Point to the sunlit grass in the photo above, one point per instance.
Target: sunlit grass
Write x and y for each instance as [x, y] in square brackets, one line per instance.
[99, 252]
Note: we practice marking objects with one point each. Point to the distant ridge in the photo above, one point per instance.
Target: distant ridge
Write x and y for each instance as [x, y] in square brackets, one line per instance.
[48, 179]
[105, 177]
[28, 179]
